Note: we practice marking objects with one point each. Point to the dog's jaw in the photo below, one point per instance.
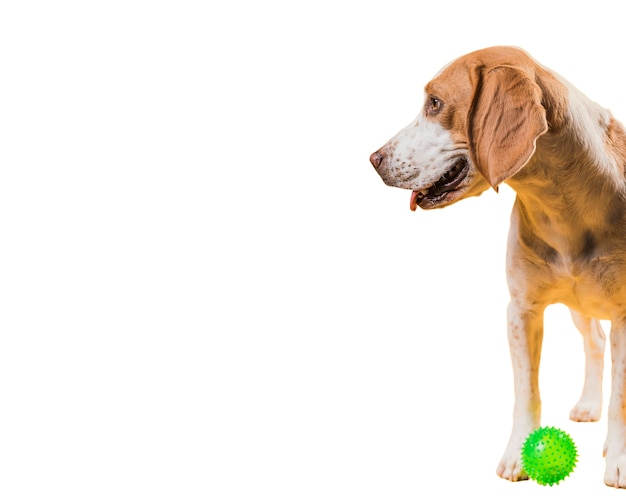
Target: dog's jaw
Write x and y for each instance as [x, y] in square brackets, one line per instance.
[445, 190]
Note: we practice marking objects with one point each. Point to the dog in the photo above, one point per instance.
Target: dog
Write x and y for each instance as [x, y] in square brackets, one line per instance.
[498, 116]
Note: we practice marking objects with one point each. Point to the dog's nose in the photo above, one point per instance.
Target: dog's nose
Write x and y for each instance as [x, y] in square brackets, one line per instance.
[376, 158]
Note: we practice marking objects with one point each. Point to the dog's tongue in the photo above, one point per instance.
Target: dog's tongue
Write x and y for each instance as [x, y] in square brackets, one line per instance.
[413, 204]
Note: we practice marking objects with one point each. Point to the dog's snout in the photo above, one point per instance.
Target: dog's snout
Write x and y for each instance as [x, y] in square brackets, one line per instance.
[376, 158]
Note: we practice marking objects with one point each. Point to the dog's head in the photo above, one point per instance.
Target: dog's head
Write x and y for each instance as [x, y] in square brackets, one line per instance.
[478, 127]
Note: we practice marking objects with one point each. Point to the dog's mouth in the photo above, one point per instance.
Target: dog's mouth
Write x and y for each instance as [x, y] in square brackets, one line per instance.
[431, 196]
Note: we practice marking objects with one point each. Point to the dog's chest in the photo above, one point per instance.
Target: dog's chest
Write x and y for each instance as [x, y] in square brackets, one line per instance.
[591, 286]
[558, 259]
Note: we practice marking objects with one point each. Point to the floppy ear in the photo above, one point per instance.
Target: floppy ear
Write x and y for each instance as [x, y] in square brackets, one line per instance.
[505, 119]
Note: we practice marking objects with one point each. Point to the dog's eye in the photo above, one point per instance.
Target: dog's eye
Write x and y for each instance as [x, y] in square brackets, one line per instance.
[433, 105]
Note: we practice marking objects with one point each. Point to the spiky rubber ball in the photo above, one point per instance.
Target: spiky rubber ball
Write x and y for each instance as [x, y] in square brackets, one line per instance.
[549, 455]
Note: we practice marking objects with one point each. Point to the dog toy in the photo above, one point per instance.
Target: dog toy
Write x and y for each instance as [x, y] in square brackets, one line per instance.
[548, 455]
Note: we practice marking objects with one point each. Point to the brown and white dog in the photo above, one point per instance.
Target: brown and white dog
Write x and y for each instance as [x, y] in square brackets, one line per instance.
[494, 116]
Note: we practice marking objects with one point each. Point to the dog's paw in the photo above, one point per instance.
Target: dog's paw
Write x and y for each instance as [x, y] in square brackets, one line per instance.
[615, 474]
[510, 467]
[586, 410]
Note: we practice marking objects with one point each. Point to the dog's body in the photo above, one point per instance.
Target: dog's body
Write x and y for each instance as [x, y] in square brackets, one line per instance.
[496, 116]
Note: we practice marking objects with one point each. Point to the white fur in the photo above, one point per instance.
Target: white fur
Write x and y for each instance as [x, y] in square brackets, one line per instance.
[589, 121]
[419, 154]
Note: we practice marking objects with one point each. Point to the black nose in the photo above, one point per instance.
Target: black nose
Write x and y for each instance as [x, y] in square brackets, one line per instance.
[376, 158]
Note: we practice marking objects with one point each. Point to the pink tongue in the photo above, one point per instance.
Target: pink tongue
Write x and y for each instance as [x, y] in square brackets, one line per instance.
[413, 204]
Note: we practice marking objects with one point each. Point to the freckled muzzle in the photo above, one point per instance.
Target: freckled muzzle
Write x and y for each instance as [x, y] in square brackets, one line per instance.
[431, 195]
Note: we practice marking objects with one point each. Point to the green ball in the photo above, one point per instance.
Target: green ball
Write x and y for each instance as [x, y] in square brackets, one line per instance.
[548, 455]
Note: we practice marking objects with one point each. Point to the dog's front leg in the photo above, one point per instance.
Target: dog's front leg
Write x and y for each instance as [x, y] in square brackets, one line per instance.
[615, 445]
[525, 330]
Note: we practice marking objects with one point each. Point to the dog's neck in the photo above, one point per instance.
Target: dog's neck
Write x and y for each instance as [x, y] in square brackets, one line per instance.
[569, 195]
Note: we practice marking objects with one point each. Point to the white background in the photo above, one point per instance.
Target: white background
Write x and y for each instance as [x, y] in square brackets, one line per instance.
[206, 291]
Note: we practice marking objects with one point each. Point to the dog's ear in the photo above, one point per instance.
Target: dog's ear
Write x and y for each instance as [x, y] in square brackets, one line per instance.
[504, 121]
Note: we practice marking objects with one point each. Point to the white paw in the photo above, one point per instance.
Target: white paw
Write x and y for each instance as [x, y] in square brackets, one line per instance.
[615, 474]
[510, 467]
[586, 410]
